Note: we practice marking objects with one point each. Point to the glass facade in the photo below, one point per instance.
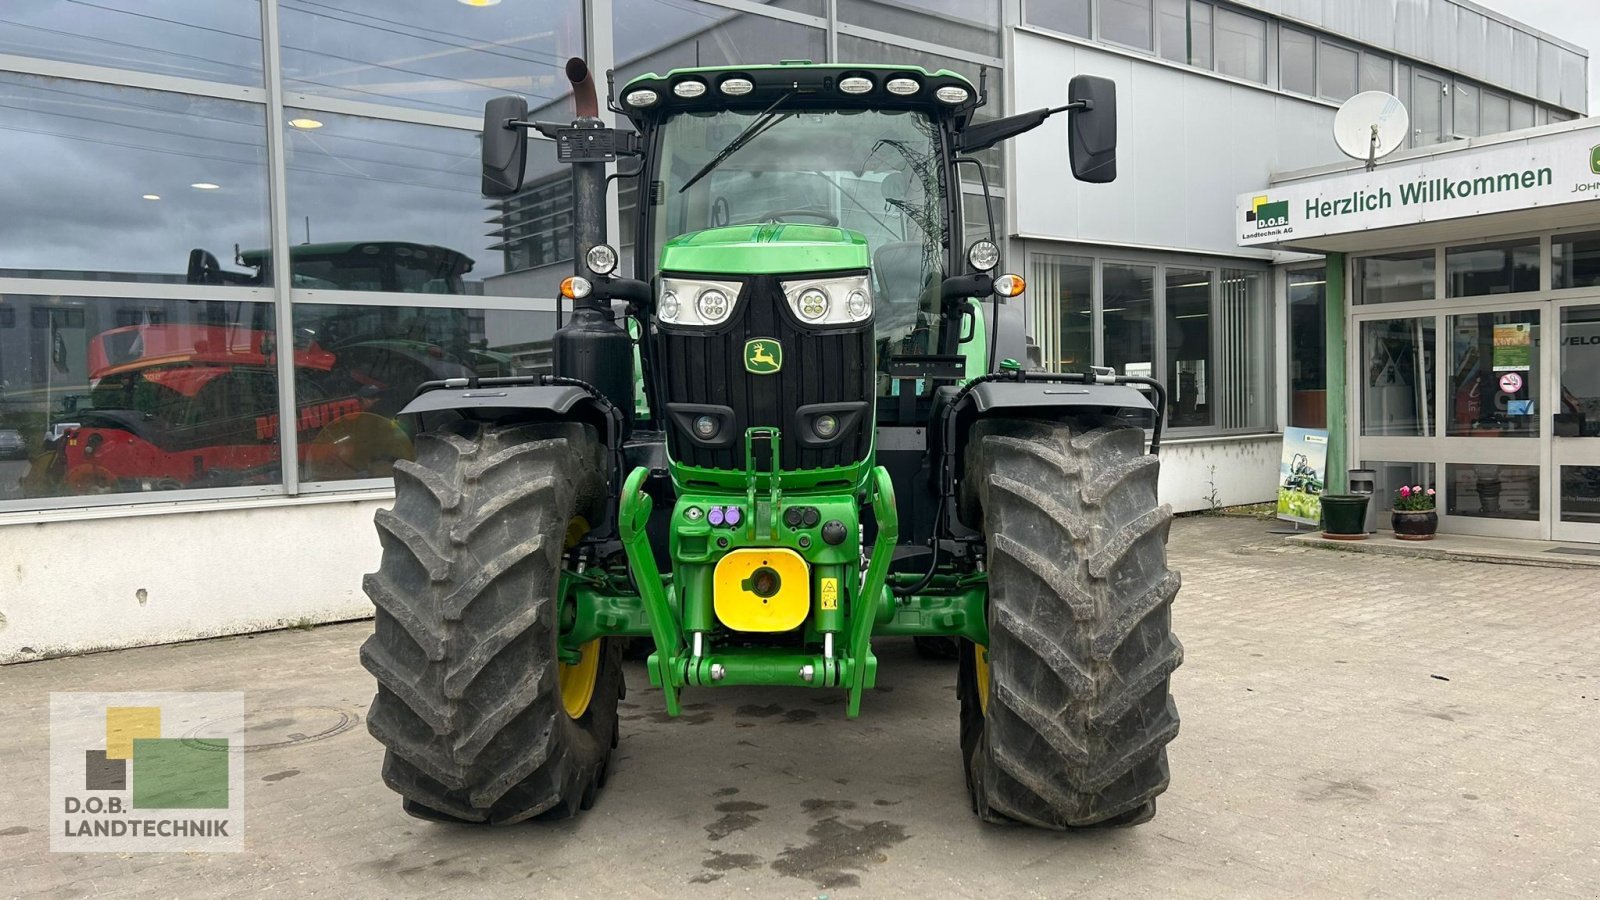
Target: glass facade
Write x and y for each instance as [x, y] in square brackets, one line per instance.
[1202, 329]
[174, 231]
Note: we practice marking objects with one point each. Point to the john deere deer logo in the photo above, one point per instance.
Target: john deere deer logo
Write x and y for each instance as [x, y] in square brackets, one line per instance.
[762, 356]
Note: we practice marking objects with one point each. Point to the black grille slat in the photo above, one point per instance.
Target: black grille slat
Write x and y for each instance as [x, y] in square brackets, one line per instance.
[831, 366]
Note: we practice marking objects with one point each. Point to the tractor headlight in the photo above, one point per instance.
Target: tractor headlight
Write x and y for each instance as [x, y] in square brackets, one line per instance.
[830, 301]
[602, 259]
[694, 302]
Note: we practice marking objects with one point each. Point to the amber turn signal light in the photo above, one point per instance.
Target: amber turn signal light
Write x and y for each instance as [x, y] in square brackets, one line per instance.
[575, 287]
[1009, 286]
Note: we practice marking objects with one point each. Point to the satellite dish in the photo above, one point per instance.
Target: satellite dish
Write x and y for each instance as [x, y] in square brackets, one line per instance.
[1370, 125]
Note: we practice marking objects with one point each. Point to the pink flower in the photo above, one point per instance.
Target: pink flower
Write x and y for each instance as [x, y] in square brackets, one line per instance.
[1430, 492]
[1405, 491]
[1417, 489]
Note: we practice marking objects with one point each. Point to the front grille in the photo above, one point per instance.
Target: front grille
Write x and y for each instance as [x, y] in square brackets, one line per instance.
[819, 366]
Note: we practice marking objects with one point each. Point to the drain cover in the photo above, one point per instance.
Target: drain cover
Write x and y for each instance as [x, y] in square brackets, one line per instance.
[282, 726]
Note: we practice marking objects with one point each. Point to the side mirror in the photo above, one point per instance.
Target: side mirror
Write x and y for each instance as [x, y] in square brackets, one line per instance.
[505, 148]
[1092, 130]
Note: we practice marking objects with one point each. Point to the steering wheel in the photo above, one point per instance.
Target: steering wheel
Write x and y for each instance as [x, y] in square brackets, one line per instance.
[780, 214]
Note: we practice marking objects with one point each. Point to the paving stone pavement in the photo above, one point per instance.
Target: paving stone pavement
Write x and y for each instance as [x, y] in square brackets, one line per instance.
[1352, 725]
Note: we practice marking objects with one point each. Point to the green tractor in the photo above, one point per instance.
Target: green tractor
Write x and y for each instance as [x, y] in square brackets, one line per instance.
[828, 452]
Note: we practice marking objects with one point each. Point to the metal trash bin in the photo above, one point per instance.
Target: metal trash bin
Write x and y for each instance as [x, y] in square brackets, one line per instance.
[1365, 481]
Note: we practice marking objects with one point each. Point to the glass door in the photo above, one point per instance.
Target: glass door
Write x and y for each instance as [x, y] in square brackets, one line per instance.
[1575, 425]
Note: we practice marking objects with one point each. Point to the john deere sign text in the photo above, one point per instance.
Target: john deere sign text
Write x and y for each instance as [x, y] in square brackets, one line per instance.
[1542, 171]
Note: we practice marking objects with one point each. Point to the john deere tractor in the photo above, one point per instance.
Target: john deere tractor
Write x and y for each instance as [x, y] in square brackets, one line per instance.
[785, 436]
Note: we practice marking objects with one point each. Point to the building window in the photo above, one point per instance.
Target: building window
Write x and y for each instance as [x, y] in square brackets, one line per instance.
[142, 396]
[200, 39]
[447, 57]
[1495, 111]
[1190, 369]
[1297, 61]
[1243, 326]
[1241, 46]
[1065, 16]
[1185, 32]
[1127, 311]
[1466, 110]
[1395, 278]
[1494, 375]
[1575, 260]
[135, 179]
[1499, 268]
[1338, 71]
[1377, 72]
[1126, 22]
[1061, 292]
[1308, 355]
[969, 25]
[1492, 491]
[1397, 377]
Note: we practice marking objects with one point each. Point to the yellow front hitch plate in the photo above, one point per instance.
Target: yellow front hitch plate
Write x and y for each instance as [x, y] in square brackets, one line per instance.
[737, 588]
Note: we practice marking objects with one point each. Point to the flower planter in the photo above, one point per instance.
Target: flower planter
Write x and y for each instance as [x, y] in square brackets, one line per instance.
[1415, 525]
[1344, 516]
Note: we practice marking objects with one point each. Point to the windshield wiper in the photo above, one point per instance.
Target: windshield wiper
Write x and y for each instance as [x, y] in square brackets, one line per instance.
[751, 132]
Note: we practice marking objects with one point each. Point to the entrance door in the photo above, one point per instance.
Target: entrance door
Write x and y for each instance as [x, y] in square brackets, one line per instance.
[1575, 428]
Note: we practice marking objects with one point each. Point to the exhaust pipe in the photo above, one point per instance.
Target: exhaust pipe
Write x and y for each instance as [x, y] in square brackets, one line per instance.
[583, 93]
[591, 347]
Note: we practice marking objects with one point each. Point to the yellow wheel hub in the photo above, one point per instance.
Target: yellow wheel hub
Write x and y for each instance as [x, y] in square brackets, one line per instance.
[980, 667]
[577, 680]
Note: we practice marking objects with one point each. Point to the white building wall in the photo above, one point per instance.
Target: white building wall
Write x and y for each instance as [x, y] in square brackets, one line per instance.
[1188, 144]
[103, 583]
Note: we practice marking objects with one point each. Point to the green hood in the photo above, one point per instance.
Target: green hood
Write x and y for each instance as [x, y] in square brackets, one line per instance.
[768, 249]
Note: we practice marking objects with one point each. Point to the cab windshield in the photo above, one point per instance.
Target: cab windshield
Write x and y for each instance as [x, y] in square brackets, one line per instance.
[871, 171]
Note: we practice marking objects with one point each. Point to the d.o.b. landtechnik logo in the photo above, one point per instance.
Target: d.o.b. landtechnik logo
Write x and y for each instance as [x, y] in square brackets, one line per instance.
[1265, 214]
[146, 772]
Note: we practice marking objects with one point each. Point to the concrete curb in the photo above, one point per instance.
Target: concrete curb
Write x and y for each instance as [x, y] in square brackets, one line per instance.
[1460, 548]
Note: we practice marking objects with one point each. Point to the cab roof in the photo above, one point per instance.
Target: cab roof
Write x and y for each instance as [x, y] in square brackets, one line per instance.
[811, 85]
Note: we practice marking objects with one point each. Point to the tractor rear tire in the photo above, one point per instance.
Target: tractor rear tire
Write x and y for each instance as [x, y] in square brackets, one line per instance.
[470, 705]
[1066, 715]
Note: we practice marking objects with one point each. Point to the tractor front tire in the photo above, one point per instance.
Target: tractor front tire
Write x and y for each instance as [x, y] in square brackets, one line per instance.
[480, 720]
[1066, 714]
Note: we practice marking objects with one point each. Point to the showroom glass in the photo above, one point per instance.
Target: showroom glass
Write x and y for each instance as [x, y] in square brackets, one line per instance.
[1126, 22]
[1060, 295]
[1190, 370]
[120, 184]
[1494, 375]
[1184, 31]
[1396, 372]
[1066, 16]
[879, 168]
[119, 395]
[1308, 354]
[426, 54]
[1244, 332]
[1241, 46]
[1395, 278]
[966, 24]
[1391, 476]
[1500, 268]
[1578, 414]
[210, 40]
[661, 35]
[1495, 110]
[374, 359]
[378, 205]
[1127, 312]
[993, 159]
[1297, 61]
[1491, 491]
[1575, 260]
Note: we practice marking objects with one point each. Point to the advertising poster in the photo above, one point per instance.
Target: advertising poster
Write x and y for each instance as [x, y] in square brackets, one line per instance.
[1513, 347]
[1302, 474]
